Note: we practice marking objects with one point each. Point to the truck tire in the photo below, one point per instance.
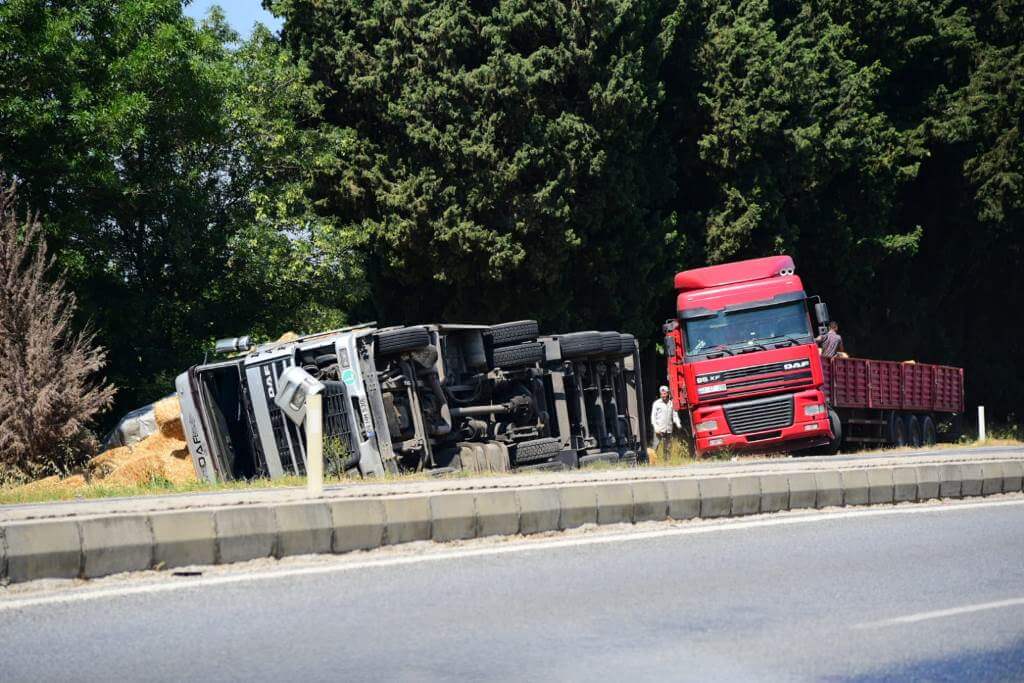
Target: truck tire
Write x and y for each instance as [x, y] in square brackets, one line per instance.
[405, 339]
[580, 344]
[537, 450]
[928, 434]
[507, 334]
[627, 344]
[837, 429]
[913, 431]
[610, 343]
[519, 356]
[897, 430]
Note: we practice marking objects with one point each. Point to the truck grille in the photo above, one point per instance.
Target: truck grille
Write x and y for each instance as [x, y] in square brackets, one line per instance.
[337, 425]
[752, 370]
[259, 457]
[758, 415]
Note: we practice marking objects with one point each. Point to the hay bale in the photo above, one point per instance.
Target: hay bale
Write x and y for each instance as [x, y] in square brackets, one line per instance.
[54, 484]
[167, 412]
[159, 455]
[175, 467]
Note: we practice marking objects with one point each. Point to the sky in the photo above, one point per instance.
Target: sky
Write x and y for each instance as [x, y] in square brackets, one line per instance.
[241, 14]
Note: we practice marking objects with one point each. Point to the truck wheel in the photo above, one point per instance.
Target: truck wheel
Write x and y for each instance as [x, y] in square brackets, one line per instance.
[837, 431]
[897, 431]
[578, 344]
[507, 334]
[404, 339]
[519, 356]
[913, 431]
[928, 434]
[627, 344]
[537, 450]
[610, 343]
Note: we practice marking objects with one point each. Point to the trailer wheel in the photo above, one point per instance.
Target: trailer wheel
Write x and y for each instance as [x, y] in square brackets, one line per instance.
[897, 431]
[519, 356]
[611, 344]
[928, 433]
[507, 334]
[405, 339]
[913, 431]
[627, 344]
[837, 432]
[579, 344]
[537, 450]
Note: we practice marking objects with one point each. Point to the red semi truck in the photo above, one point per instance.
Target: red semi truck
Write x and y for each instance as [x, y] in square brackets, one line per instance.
[743, 364]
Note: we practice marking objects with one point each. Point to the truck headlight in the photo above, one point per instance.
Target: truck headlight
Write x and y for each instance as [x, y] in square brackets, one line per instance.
[711, 388]
[816, 409]
[707, 426]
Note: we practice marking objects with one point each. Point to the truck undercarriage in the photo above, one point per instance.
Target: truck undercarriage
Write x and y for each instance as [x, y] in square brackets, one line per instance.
[423, 398]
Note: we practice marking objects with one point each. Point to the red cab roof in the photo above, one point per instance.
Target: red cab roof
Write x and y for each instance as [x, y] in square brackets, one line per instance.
[733, 273]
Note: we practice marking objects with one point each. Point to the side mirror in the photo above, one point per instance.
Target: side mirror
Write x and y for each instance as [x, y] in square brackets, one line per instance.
[294, 386]
[670, 347]
[821, 313]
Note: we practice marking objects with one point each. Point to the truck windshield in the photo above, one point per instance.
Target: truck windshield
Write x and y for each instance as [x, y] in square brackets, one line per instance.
[735, 331]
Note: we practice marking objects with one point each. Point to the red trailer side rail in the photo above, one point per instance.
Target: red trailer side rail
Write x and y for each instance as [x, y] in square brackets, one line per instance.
[888, 385]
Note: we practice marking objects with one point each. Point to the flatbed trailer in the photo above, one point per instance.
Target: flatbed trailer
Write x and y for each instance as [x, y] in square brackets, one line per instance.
[892, 402]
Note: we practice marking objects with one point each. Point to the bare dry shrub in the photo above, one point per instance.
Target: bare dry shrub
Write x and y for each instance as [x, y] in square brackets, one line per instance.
[49, 389]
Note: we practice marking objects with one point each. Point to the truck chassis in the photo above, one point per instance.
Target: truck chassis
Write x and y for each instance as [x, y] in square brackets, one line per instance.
[435, 398]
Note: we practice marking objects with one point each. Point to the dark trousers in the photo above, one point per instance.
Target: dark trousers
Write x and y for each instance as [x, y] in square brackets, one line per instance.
[661, 440]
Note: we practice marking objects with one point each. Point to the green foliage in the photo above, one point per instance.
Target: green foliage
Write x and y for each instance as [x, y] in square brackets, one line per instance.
[506, 152]
[173, 169]
[480, 161]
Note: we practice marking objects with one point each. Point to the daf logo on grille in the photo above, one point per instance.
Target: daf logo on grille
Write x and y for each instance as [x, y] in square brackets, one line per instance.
[795, 365]
[268, 382]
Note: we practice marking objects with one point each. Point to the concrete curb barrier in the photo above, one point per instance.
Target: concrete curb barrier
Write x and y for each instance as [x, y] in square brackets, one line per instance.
[303, 529]
[43, 550]
[97, 545]
[407, 519]
[183, 538]
[247, 533]
[357, 525]
[116, 544]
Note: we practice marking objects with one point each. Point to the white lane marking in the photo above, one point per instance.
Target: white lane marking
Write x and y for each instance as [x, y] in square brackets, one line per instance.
[942, 613]
[526, 545]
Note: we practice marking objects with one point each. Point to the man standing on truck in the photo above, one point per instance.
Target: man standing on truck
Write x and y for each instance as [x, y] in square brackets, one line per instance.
[663, 419]
[830, 342]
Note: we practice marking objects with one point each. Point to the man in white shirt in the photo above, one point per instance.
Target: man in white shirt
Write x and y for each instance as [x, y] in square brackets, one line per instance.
[663, 418]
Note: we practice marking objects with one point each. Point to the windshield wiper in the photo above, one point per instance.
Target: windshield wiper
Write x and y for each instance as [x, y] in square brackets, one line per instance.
[747, 347]
[716, 349]
[791, 339]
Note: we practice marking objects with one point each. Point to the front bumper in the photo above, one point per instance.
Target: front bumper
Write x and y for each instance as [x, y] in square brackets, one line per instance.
[804, 432]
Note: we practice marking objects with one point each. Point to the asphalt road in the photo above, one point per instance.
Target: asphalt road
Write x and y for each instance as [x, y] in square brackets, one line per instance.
[936, 594]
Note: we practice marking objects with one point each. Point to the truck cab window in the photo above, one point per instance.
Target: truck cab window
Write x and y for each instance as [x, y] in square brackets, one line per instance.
[751, 327]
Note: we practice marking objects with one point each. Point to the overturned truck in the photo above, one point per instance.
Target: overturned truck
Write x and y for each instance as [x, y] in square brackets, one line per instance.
[436, 398]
